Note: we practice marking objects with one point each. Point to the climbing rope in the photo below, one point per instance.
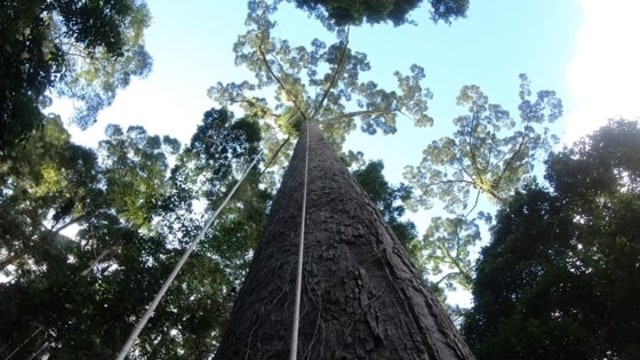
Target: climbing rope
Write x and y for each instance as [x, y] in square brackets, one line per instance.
[152, 306]
[15, 351]
[296, 310]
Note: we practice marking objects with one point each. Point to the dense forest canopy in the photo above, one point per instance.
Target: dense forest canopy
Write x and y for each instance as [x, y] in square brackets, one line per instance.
[347, 12]
[88, 234]
[83, 50]
[563, 264]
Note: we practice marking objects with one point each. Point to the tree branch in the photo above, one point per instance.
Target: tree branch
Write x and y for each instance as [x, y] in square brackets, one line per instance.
[446, 276]
[10, 259]
[263, 56]
[334, 77]
[253, 104]
[515, 153]
[474, 159]
[464, 273]
[452, 182]
[104, 253]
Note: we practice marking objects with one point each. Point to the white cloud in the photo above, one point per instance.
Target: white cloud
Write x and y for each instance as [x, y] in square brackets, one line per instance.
[604, 74]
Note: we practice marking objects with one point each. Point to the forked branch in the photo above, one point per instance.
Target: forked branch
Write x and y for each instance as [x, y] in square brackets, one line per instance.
[263, 57]
[334, 77]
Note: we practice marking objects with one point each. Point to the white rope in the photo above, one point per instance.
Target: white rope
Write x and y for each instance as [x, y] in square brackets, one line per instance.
[296, 310]
[44, 346]
[40, 328]
[150, 310]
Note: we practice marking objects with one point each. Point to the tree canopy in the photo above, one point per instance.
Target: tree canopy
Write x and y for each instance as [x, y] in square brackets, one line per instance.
[87, 236]
[345, 12]
[83, 50]
[559, 279]
[489, 155]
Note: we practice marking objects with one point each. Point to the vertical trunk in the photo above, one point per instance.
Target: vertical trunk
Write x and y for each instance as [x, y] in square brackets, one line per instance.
[361, 297]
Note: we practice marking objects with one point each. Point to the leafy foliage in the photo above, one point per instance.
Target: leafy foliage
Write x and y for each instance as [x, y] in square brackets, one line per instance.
[489, 154]
[331, 72]
[345, 12]
[560, 259]
[447, 244]
[84, 50]
[78, 295]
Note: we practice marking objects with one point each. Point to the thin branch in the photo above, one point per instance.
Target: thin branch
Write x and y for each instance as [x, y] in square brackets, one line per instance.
[10, 259]
[480, 186]
[251, 103]
[104, 253]
[334, 77]
[513, 156]
[452, 182]
[474, 159]
[464, 273]
[263, 56]
[446, 276]
[464, 170]
[499, 161]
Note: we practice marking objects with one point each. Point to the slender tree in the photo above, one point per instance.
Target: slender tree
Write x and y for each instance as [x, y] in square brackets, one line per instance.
[361, 297]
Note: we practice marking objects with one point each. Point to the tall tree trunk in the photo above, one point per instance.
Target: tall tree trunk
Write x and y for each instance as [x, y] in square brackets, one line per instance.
[361, 297]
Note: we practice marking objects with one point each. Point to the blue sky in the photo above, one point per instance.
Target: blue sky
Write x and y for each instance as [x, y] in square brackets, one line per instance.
[585, 50]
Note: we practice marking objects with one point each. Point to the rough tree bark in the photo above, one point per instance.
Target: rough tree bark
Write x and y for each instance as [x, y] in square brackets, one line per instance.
[361, 297]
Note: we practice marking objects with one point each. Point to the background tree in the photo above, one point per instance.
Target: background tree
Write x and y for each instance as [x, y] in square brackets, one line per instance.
[63, 292]
[83, 50]
[78, 295]
[561, 259]
[490, 154]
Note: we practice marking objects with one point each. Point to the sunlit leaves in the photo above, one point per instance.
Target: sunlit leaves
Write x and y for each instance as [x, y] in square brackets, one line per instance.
[44, 188]
[135, 169]
[448, 243]
[83, 50]
[490, 153]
